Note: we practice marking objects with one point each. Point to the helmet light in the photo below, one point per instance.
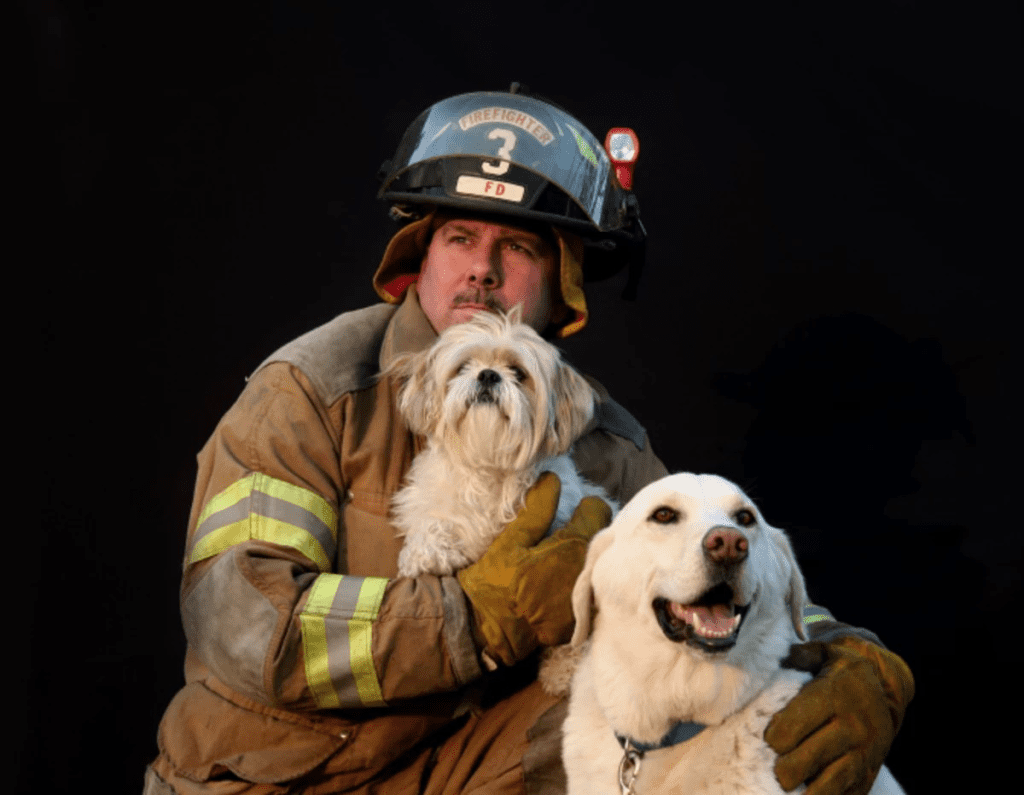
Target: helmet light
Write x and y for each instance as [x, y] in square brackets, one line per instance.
[623, 147]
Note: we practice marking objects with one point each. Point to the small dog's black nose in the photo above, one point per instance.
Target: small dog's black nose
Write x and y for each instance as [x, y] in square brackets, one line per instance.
[488, 377]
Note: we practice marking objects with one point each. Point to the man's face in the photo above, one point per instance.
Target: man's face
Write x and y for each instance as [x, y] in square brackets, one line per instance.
[472, 266]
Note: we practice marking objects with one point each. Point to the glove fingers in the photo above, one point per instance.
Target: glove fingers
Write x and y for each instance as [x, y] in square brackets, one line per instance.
[838, 727]
[814, 755]
[536, 515]
[843, 776]
[891, 670]
[809, 710]
[591, 515]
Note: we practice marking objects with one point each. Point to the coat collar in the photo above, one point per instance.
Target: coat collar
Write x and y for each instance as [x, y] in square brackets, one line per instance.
[409, 331]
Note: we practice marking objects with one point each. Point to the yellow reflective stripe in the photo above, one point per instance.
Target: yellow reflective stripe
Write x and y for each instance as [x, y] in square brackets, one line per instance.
[314, 639]
[235, 493]
[267, 509]
[337, 640]
[223, 538]
[322, 593]
[360, 638]
[260, 528]
[811, 617]
[371, 594]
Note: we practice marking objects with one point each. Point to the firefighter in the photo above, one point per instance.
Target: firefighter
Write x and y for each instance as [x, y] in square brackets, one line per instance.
[311, 666]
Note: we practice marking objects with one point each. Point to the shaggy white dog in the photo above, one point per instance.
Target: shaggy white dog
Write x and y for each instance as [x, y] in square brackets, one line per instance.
[686, 604]
[497, 406]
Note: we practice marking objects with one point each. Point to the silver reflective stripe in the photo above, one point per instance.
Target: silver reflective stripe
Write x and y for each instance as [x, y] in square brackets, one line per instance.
[337, 640]
[264, 508]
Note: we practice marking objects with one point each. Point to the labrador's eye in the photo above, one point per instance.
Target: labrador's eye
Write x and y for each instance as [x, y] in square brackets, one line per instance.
[745, 518]
[665, 515]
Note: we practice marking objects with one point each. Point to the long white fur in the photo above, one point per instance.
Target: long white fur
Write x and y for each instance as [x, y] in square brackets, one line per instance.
[480, 459]
[633, 681]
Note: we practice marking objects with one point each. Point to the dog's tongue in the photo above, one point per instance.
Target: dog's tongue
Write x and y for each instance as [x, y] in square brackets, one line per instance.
[716, 618]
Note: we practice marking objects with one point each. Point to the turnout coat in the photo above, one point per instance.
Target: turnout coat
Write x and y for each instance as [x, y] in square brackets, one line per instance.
[310, 663]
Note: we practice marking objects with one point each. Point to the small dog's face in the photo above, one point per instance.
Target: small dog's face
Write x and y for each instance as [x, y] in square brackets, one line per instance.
[494, 393]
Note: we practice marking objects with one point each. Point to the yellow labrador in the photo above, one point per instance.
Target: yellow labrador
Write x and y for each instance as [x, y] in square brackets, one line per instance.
[686, 605]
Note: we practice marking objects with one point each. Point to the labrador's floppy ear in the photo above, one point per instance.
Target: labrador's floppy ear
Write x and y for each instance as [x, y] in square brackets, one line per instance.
[796, 591]
[583, 590]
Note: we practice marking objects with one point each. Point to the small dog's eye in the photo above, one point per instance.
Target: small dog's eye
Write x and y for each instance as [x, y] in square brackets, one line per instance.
[665, 515]
[519, 373]
[745, 518]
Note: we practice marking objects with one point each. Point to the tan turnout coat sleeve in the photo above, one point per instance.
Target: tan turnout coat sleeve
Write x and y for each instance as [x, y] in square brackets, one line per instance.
[305, 649]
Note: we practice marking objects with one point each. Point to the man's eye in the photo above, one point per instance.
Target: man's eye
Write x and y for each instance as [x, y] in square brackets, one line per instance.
[520, 248]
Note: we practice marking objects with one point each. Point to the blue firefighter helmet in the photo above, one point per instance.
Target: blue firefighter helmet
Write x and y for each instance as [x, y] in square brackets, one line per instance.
[512, 154]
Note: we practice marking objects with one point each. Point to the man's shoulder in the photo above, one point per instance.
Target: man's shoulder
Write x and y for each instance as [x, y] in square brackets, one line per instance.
[612, 417]
[341, 355]
[615, 452]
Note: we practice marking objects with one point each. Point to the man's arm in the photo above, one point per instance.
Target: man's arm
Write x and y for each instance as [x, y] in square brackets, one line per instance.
[263, 607]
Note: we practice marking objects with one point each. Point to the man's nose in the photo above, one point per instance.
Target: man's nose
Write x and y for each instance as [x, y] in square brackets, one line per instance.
[485, 269]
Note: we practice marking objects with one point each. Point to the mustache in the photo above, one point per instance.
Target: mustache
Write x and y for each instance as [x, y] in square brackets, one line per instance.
[478, 297]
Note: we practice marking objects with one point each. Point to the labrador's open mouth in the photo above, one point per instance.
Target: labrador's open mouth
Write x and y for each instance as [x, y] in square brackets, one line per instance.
[712, 623]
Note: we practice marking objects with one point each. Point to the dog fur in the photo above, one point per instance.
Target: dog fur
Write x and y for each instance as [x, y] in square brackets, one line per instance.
[498, 406]
[634, 681]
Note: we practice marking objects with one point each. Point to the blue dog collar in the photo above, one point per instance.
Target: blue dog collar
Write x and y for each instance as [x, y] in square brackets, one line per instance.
[680, 733]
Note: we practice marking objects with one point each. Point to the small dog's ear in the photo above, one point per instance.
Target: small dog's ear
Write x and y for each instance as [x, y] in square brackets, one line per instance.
[796, 591]
[417, 399]
[574, 402]
[515, 314]
[583, 590]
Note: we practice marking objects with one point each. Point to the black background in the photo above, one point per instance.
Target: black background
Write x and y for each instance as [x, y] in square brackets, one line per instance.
[832, 197]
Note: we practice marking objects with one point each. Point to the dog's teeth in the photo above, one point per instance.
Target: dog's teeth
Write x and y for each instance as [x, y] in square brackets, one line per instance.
[707, 632]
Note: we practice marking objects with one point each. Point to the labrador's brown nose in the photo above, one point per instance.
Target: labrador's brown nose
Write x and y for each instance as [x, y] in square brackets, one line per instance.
[725, 546]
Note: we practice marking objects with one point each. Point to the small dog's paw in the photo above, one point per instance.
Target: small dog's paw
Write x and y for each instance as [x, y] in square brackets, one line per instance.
[425, 553]
[557, 666]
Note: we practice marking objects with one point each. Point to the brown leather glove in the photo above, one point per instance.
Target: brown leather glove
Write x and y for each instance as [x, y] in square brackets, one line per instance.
[521, 588]
[836, 731]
